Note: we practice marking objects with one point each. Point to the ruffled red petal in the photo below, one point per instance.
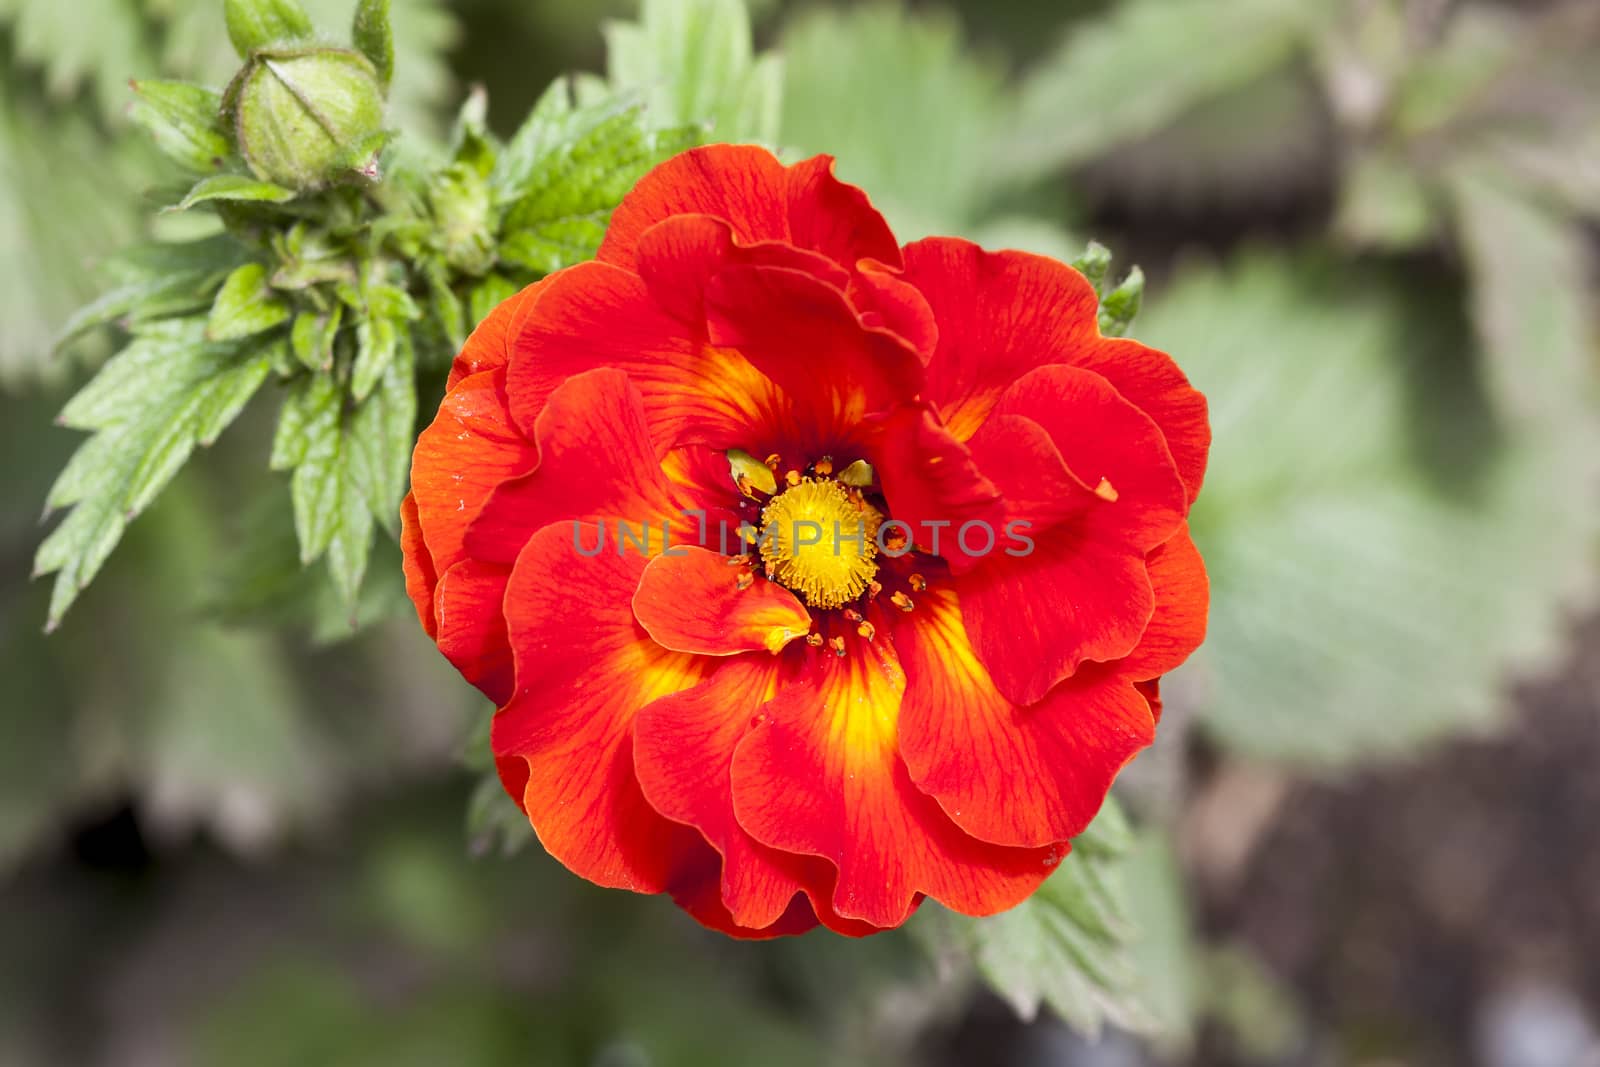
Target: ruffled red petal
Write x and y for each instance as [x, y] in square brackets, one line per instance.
[584, 668]
[417, 564]
[471, 447]
[1035, 619]
[820, 775]
[491, 345]
[932, 483]
[747, 187]
[1178, 624]
[691, 600]
[597, 315]
[806, 337]
[469, 627]
[683, 752]
[1104, 441]
[1011, 775]
[597, 464]
[1001, 314]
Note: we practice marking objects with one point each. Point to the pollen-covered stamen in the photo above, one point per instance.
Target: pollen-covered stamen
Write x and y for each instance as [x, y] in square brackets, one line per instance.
[820, 540]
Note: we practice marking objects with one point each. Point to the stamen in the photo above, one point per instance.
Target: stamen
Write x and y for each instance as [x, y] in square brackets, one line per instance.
[814, 640]
[837, 644]
[823, 466]
[1106, 491]
[867, 630]
[917, 582]
[819, 542]
[901, 601]
[746, 579]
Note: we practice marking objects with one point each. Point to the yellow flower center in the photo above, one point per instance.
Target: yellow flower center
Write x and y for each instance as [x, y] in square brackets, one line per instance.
[819, 539]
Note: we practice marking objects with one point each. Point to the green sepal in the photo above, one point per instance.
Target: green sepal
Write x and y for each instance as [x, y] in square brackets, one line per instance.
[373, 35]
[313, 335]
[254, 24]
[182, 120]
[235, 187]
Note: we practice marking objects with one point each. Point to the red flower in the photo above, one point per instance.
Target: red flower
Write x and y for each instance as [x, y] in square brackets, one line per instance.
[934, 699]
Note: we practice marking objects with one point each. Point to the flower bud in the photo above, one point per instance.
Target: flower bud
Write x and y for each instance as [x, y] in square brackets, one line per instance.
[304, 117]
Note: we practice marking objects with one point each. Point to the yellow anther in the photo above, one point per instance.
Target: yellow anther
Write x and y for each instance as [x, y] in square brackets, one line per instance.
[823, 466]
[746, 579]
[901, 601]
[917, 582]
[814, 640]
[867, 630]
[837, 644]
[817, 542]
[1106, 491]
[793, 478]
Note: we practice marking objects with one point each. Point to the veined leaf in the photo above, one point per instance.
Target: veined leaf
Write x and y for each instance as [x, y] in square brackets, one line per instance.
[1383, 558]
[1530, 300]
[1067, 946]
[1142, 65]
[245, 305]
[343, 460]
[692, 62]
[566, 170]
[168, 391]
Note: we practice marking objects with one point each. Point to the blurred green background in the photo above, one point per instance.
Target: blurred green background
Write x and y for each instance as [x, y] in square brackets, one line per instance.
[233, 831]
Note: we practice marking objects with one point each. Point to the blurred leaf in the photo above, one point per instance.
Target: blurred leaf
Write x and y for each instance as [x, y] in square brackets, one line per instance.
[1143, 65]
[1067, 946]
[692, 63]
[1384, 204]
[65, 198]
[1162, 945]
[1530, 299]
[1382, 556]
[95, 43]
[168, 391]
[901, 101]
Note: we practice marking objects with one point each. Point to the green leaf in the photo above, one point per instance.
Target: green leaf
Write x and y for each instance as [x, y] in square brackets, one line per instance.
[382, 433]
[1067, 946]
[1530, 299]
[312, 338]
[245, 306]
[317, 437]
[1141, 66]
[1120, 307]
[377, 340]
[183, 121]
[693, 63]
[168, 391]
[233, 187]
[566, 170]
[374, 37]
[903, 103]
[1383, 557]
[255, 24]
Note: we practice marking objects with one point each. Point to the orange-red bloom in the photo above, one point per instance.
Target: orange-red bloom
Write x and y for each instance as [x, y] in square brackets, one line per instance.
[610, 533]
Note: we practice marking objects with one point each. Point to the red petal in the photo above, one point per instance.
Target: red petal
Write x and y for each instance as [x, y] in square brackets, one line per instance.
[1178, 626]
[470, 627]
[690, 600]
[584, 668]
[1151, 691]
[1008, 774]
[1107, 444]
[836, 219]
[596, 462]
[417, 564]
[683, 749]
[1033, 619]
[470, 448]
[821, 775]
[1001, 314]
[886, 299]
[678, 257]
[595, 315]
[490, 345]
[933, 484]
[746, 186]
[804, 335]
